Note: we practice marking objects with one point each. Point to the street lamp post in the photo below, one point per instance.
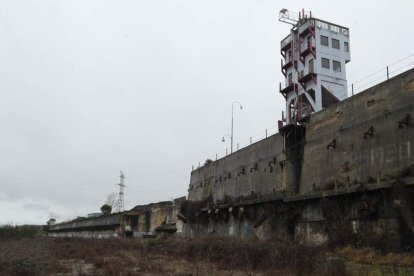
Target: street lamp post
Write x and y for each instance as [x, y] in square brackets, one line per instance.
[224, 140]
[232, 119]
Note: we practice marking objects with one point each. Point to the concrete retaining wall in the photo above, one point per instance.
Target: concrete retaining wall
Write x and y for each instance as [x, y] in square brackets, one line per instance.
[360, 149]
[383, 155]
[365, 217]
[249, 171]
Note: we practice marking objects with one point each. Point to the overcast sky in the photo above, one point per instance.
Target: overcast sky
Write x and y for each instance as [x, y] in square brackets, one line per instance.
[89, 88]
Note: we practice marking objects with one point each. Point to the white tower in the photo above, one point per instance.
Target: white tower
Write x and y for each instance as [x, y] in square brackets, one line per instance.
[314, 57]
[120, 203]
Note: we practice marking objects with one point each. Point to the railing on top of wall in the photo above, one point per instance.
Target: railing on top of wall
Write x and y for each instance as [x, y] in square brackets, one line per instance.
[375, 78]
[240, 145]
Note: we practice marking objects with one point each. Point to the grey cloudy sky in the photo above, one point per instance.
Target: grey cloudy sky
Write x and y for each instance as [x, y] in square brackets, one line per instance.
[88, 88]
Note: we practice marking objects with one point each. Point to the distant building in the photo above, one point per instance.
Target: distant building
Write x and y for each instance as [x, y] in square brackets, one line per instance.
[94, 215]
[104, 226]
[143, 220]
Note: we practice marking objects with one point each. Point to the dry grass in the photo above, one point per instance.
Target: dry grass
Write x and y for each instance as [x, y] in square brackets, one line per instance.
[26, 257]
[372, 256]
[172, 256]
[249, 255]
[205, 256]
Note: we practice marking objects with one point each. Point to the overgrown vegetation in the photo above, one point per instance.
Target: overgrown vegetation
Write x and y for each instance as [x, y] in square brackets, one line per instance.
[373, 256]
[212, 255]
[27, 256]
[230, 253]
[204, 256]
[18, 232]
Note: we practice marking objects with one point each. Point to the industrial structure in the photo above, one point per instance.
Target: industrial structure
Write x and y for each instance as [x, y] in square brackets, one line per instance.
[339, 167]
[120, 203]
[314, 57]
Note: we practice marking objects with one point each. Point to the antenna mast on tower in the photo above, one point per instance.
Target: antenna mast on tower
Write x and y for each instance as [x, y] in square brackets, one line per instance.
[120, 203]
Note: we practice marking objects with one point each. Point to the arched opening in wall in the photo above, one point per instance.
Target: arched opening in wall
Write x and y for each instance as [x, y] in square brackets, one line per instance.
[402, 198]
[147, 220]
[291, 221]
[407, 236]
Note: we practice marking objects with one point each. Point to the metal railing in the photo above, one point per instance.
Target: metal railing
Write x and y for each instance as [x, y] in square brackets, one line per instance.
[383, 74]
[287, 40]
[286, 83]
[240, 145]
[306, 71]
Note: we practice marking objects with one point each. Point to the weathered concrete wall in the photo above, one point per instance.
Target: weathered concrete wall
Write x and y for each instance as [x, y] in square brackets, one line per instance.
[251, 170]
[103, 234]
[350, 163]
[336, 152]
[364, 216]
[156, 214]
[143, 222]
[94, 234]
[158, 217]
[362, 140]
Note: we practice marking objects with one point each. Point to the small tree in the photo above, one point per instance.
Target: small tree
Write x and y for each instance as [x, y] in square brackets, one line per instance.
[106, 209]
[111, 200]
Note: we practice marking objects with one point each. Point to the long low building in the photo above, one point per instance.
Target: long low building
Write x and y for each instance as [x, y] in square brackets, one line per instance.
[104, 226]
[142, 221]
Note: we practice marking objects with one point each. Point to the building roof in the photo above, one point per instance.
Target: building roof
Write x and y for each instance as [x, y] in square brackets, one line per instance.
[159, 204]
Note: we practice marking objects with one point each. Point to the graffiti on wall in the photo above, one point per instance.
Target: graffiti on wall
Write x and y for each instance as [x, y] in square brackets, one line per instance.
[383, 155]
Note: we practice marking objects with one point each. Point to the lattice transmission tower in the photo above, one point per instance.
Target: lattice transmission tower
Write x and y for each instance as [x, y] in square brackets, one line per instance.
[120, 203]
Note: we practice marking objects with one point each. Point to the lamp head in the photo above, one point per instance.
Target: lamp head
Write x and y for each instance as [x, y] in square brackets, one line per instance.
[283, 11]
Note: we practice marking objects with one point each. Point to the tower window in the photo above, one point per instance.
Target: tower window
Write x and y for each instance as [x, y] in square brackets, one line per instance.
[346, 46]
[335, 43]
[324, 40]
[336, 66]
[311, 66]
[325, 63]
